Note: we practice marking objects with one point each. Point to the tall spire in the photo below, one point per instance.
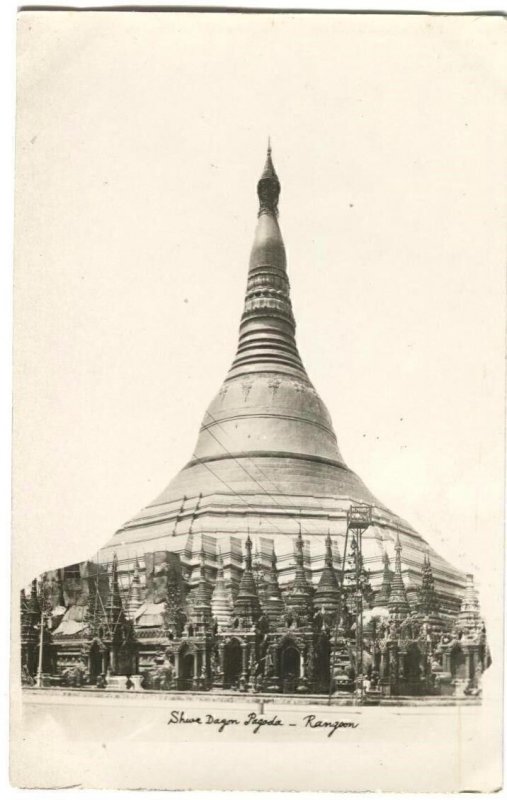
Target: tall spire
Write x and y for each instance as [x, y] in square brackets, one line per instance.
[299, 599]
[275, 606]
[398, 603]
[114, 606]
[327, 594]
[382, 598]
[246, 605]
[427, 599]
[259, 576]
[135, 593]
[267, 332]
[203, 591]
[469, 618]
[221, 607]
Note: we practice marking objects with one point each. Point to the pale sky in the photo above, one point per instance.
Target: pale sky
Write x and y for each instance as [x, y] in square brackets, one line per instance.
[140, 141]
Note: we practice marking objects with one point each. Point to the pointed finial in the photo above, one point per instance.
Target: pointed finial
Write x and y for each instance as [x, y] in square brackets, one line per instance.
[329, 551]
[299, 548]
[299, 539]
[248, 545]
[268, 188]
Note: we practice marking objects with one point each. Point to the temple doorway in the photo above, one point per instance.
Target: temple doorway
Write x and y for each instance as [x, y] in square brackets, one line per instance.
[96, 662]
[232, 663]
[412, 664]
[458, 663]
[187, 666]
[290, 668]
[322, 665]
[126, 660]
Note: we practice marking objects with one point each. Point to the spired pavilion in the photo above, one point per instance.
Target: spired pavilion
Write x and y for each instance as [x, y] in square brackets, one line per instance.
[248, 572]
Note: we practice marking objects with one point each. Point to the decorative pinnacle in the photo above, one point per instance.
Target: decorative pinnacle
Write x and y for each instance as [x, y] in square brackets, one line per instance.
[397, 563]
[248, 559]
[398, 603]
[268, 188]
[329, 552]
[299, 547]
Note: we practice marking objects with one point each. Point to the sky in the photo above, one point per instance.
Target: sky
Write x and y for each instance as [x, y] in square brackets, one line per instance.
[140, 140]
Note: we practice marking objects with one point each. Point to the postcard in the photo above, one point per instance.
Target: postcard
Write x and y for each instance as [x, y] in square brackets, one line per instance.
[259, 403]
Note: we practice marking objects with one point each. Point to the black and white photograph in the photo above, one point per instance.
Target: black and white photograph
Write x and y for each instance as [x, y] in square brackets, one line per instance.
[259, 401]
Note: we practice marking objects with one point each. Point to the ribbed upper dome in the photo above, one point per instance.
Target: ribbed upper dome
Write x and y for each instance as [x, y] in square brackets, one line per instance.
[267, 404]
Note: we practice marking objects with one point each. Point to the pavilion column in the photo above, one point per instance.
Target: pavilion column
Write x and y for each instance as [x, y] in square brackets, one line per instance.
[244, 666]
[205, 662]
[197, 667]
[384, 664]
[221, 658]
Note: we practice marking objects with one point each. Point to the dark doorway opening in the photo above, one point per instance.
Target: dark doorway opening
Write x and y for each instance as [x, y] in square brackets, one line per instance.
[458, 663]
[290, 668]
[232, 663]
[322, 665]
[186, 668]
[412, 665]
[125, 661]
[95, 662]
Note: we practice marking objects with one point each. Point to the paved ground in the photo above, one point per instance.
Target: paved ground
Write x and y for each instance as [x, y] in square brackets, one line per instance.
[423, 747]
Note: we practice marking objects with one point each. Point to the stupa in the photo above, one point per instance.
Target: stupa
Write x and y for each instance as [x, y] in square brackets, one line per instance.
[237, 577]
[267, 463]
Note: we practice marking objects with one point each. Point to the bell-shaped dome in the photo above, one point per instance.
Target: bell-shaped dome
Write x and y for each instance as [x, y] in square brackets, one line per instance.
[266, 460]
[267, 406]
